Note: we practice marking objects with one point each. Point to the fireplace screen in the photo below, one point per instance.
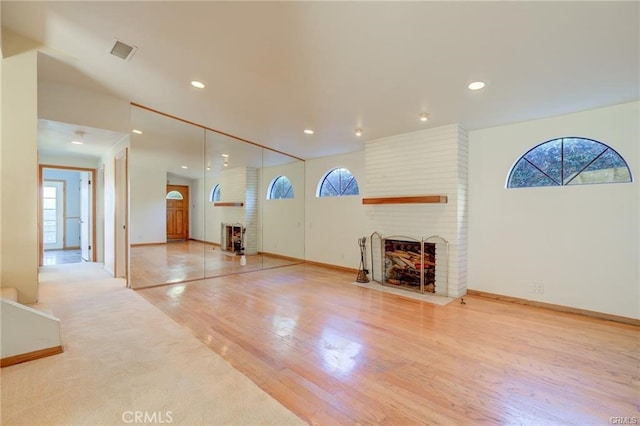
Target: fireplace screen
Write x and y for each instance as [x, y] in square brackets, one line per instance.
[409, 263]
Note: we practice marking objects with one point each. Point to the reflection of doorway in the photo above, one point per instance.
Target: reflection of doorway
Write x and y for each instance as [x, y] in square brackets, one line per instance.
[67, 215]
[177, 212]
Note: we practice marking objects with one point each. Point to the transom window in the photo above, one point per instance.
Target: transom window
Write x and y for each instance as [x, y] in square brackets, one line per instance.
[280, 188]
[174, 195]
[569, 161]
[338, 182]
[214, 195]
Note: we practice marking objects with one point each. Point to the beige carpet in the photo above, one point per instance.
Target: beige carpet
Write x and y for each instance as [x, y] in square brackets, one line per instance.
[125, 362]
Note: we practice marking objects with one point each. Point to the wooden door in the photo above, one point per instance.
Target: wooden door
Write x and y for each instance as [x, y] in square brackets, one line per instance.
[177, 212]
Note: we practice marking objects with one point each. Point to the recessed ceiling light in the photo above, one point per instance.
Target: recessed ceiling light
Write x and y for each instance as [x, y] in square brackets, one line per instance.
[358, 132]
[77, 142]
[197, 84]
[424, 116]
[225, 155]
[183, 167]
[137, 132]
[476, 85]
[308, 131]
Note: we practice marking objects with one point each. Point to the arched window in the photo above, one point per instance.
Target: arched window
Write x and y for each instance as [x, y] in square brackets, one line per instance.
[338, 182]
[214, 195]
[174, 195]
[568, 161]
[280, 188]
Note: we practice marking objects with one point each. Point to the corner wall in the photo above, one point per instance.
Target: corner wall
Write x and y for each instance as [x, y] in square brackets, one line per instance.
[19, 175]
[580, 242]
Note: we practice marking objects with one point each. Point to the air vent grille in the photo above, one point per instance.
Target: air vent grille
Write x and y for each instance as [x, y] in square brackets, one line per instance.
[123, 50]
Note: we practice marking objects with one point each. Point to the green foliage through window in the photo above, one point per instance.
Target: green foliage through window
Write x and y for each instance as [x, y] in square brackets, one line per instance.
[280, 188]
[338, 182]
[569, 161]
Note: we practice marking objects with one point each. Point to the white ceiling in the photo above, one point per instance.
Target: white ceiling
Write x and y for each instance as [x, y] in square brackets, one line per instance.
[273, 69]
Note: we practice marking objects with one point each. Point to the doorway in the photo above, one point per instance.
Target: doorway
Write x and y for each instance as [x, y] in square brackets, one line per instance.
[121, 217]
[67, 232]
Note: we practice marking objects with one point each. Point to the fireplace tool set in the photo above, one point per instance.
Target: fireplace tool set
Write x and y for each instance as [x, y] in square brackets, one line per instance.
[362, 273]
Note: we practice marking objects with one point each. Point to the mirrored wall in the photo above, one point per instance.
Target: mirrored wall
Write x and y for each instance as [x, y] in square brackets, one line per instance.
[204, 204]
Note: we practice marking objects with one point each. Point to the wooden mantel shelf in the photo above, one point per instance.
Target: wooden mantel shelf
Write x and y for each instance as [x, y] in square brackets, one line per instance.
[240, 204]
[415, 199]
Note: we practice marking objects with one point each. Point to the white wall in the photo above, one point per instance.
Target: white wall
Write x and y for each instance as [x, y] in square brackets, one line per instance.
[579, 242]
[206, 217]
[19, 175]
[26, 330]
[69, 104]
[283, 220]
[148, 206]
[334, 224]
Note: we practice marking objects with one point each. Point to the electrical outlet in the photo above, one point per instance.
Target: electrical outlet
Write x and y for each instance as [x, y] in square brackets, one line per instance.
[537, 288]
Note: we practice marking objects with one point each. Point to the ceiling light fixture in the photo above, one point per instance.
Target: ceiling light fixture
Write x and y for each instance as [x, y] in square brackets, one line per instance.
[183, 167]
[476, 85]
[424, 116]
[308, 131]
[197, 84]
[358, 132]
[77, 142]
[137, 132]
[225, 155]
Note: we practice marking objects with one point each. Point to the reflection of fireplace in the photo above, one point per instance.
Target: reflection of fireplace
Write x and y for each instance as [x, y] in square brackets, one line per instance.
[232, 238]
[410, 264]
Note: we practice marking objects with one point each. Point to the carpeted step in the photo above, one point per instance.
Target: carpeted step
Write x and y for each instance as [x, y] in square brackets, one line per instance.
[9, 293]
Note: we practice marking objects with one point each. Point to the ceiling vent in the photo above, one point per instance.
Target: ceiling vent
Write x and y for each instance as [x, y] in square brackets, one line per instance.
[123, 50]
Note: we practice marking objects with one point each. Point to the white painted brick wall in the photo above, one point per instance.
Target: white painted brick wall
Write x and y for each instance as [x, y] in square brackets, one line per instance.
[428, 162]
[241, 184]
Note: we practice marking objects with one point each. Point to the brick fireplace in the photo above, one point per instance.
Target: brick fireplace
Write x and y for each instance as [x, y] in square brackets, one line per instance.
[416, 186]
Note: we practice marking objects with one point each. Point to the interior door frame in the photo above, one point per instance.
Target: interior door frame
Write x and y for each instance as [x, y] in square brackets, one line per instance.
[41, 168]
[121, 215]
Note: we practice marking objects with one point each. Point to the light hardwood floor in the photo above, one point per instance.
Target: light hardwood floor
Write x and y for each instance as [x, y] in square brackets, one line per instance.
[335, 353]
[179, 261]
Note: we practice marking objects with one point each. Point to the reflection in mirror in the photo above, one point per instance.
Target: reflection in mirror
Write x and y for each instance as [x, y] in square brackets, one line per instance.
[232, 222]
[283, 194]
[237, 218]
[165, 164]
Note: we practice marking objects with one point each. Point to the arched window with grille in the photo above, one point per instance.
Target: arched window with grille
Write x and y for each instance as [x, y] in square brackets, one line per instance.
[568, 161]
[338, 182]
[280, 188]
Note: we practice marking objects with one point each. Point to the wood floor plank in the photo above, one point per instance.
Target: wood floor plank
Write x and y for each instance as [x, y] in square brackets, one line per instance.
[336, 353]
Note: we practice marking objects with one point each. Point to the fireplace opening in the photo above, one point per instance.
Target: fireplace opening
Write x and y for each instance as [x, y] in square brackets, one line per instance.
[410, 265]
[232, 238]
